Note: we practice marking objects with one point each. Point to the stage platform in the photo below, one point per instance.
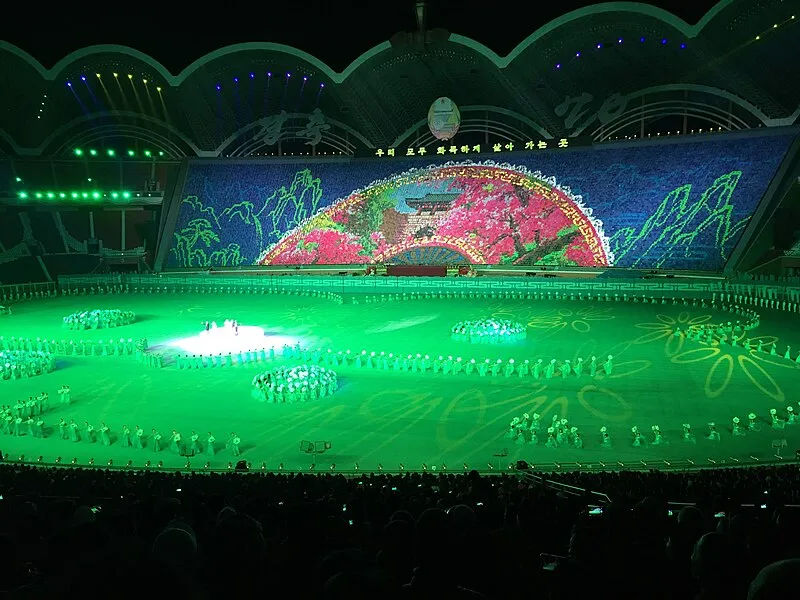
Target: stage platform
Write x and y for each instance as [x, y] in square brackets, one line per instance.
[416, 271]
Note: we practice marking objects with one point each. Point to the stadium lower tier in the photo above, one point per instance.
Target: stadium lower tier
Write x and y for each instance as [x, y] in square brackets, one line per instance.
[416, 535]
[409, 395]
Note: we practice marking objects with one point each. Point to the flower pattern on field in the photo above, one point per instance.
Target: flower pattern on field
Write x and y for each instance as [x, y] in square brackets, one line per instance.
[664, 328]
[550, 322]
[598, 401]
[579, 320]
[299, 316]
[723, 360]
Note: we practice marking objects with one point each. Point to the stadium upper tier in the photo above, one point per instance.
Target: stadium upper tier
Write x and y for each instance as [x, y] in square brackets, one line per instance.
[605, 71]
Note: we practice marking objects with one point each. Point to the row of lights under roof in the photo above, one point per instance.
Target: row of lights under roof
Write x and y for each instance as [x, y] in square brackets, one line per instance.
[84, 195]
[116, 76]
[269, 76]
[76, 195]
[111, 153]
[652, 135]
[642, 40]
[776, 25]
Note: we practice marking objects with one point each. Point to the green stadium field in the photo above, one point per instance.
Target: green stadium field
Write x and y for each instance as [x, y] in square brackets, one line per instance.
[391, 418]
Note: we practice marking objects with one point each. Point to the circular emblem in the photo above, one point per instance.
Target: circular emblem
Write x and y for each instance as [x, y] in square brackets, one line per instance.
[444, 119]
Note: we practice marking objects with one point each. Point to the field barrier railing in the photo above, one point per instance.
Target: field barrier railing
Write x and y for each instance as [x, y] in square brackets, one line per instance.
[784, 299]
[670, 287]
[19, 291]
[537, 472]
[249, 284]
[570, 490]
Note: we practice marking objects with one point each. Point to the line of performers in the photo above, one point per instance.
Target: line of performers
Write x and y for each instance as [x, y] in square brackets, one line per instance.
[731, 333]
[450, 365]
[137, 438]
[25, 416]
[528, 428]
[73, 348]
[19, 364]
[241, 357]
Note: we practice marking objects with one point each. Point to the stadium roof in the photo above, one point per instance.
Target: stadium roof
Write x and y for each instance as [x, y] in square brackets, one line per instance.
[584, 72]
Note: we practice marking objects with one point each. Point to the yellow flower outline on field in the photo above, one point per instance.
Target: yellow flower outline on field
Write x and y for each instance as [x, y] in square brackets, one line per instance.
[579, 320]
[509, 309]
[665, 327]
[597, 398]
[556, 319]
[300, 316]
[725, 359]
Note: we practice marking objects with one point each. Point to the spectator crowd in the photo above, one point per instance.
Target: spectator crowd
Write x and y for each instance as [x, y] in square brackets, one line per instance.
[69, 532]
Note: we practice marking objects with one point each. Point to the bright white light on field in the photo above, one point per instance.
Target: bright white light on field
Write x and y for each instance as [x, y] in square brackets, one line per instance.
[223, 340]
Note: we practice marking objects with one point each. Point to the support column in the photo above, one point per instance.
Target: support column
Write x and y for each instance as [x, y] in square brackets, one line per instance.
[730, 115]
[641, 120]
[123, 220]
[685, 114]
[91, 224]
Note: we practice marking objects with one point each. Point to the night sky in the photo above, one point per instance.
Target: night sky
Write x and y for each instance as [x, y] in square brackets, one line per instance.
[336, 31]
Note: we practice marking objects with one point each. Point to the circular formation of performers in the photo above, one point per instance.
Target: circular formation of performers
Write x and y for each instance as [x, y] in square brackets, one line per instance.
[99, 319]
[294, 384]
[18, 364]
[489, 331]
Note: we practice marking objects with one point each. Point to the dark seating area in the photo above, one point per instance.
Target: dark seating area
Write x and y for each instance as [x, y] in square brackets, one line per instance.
[25, 269]
[71, 264]
[65, 254]
[77, 533]
[46, 232]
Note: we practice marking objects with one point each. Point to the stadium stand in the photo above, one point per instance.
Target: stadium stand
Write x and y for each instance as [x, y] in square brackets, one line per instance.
[620, 171]
[72, 531]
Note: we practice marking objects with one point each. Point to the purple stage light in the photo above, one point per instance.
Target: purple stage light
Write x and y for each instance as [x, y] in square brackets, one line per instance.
[69, 84]
[558, 66]
[235, 80]
[599, 46]
[322, 85]
[619, 41]
[288, 75]
[269, 74]
[305, 78]
[578, 54]
[83, 77]
[683, 46]
[664, 41]
[219, 87]
[252, 75]
[641, 39]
